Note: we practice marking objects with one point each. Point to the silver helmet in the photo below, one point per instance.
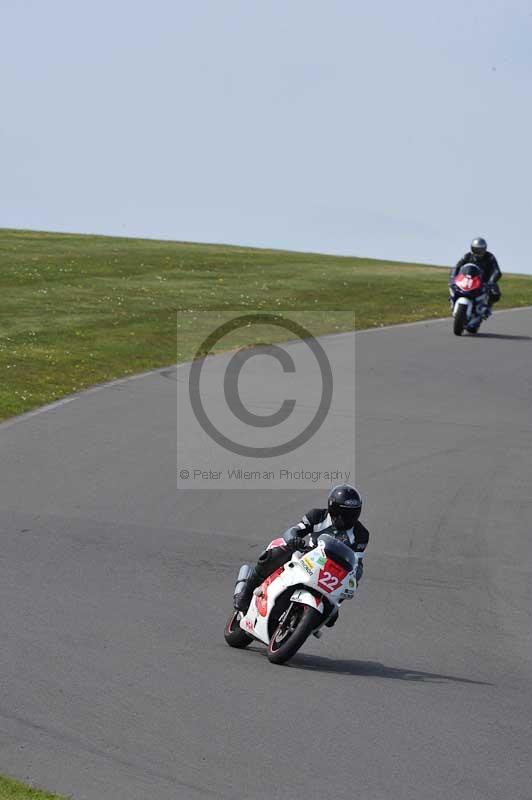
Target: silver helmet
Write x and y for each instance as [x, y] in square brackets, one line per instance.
[479, 246]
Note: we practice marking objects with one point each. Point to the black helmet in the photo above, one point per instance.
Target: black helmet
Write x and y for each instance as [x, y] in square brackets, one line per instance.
[479, 246]
[345, 505]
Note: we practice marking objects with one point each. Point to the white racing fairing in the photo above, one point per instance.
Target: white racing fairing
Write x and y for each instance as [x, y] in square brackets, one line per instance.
[313, 576]
[464, 301]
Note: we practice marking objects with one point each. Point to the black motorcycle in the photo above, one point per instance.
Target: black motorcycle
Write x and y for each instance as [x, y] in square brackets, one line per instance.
[469, 298]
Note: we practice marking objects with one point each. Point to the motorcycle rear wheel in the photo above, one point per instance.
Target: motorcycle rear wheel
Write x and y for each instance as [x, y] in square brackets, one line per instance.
[292, 632]
[460, 321]
[233, 633]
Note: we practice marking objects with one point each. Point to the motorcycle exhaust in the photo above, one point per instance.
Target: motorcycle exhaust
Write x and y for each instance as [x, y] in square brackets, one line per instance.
[243, 575]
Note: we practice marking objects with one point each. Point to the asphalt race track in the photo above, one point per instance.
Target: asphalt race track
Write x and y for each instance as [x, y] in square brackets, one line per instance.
[115, 681]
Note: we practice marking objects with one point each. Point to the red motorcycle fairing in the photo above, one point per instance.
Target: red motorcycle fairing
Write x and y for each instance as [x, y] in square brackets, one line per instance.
[468, 283]
[261, 599]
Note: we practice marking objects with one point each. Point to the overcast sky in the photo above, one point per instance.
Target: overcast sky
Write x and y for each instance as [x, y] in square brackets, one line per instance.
[387, 129]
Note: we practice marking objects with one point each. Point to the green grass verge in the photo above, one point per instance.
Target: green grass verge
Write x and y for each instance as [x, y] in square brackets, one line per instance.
[13, 790]
[79, 310]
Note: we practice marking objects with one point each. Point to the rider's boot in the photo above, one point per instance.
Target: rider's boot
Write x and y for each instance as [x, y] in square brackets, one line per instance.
[332, 619]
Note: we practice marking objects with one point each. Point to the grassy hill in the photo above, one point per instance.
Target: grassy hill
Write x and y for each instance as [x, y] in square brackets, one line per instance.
[78, 310]
[14, 790]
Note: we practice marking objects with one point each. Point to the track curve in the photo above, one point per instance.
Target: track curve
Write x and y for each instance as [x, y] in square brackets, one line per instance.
[115, 679]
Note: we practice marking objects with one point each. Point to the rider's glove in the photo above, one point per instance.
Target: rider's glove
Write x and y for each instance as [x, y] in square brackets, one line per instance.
[297, 543]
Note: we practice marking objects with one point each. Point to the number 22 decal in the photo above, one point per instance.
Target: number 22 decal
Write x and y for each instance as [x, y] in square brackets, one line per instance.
[328, 581]
[331, 576]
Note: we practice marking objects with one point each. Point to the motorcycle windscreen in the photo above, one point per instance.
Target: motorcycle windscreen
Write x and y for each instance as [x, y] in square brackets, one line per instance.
[338, 552]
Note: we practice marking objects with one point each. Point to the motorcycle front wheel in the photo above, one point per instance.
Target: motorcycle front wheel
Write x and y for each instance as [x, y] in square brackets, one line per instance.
[292, 632]
[233, 633]
[460, 320]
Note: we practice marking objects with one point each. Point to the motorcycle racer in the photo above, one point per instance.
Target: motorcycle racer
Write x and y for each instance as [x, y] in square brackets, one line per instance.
[491, 273]
[340, 519]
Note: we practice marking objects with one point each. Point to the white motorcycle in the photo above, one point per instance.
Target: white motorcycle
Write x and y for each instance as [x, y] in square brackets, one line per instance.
[296, 600]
